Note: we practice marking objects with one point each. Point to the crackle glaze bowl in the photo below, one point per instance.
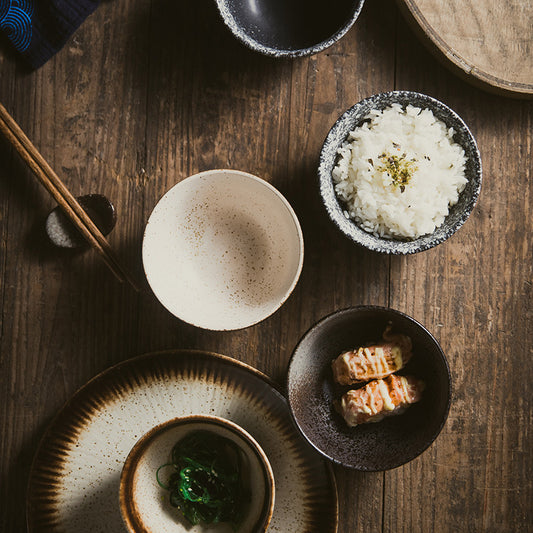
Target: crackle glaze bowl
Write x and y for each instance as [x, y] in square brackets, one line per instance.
[289, 28]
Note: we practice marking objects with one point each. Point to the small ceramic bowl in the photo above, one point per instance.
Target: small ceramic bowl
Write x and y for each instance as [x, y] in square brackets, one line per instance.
[312, 391]
[62, 232]
[223, 250]
[145, 505]
[289, 28]
[354, 117]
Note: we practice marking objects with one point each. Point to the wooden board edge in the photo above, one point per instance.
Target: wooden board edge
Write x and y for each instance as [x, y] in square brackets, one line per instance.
[457, 64]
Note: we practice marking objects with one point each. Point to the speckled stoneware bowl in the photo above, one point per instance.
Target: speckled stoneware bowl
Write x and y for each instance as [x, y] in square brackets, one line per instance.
[223, 250]
[289, 28]
[353, 118]
[74, 482]
[312, 391]
[145, 506]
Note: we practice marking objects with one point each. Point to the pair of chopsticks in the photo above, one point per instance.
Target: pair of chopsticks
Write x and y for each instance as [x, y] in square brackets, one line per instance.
[70, 206]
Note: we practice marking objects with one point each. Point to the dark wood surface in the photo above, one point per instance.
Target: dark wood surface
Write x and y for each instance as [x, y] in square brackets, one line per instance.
[149, 92]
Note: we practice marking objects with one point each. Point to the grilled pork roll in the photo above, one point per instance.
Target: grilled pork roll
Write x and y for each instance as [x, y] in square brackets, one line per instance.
[380, 398]
[373, 362]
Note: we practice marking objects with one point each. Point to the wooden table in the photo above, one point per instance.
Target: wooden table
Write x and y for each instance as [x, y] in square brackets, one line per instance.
[147, 93]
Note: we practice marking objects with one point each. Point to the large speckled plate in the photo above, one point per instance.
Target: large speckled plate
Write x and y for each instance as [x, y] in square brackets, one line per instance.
[74, 482]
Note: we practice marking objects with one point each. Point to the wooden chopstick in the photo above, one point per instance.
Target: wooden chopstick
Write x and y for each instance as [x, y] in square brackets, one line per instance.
[53, 184]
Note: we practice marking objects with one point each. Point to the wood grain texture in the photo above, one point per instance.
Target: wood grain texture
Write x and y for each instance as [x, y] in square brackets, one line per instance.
[488, 41]
[474, 293]
[147, 93]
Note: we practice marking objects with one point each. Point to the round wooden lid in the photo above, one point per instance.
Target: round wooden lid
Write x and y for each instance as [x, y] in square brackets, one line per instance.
[489, 42]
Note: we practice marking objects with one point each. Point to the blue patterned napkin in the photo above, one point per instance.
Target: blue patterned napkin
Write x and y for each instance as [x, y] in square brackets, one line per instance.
[39, 28]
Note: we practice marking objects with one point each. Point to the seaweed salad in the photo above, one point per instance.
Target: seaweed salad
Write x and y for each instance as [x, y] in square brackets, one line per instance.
[207, 482]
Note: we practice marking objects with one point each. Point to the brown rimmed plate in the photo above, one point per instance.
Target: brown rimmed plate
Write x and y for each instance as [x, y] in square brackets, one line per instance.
[74, 481]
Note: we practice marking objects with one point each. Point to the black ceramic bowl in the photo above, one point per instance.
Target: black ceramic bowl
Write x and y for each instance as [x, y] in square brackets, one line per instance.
[312, 392]
[289, 28]
[353, 118]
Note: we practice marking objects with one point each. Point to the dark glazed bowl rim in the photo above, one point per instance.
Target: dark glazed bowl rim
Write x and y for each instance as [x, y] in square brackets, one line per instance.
[353, 117]
[390, 313]
[253, 44]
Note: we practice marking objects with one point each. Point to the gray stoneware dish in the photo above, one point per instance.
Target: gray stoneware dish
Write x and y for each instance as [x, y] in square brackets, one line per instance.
[289, 28]
[312, 392]
[353, 118]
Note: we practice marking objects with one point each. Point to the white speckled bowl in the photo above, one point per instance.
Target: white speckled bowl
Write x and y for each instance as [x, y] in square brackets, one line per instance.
[145, 505]
[353, 118]
[223, 250]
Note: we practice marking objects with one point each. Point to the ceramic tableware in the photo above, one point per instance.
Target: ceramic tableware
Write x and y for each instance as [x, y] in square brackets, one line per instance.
[354, 117]
[223, 250]
[313, 393]
[145, 504]
[75, 477]
[289, 28]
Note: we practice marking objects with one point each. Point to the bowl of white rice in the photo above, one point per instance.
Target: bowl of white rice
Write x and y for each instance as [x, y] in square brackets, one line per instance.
[399, 172]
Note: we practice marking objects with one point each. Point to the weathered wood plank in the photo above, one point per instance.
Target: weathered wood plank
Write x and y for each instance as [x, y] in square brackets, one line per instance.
[337, 274]
[474, 294]
[64, 316]
[212, 104]
[147, 93]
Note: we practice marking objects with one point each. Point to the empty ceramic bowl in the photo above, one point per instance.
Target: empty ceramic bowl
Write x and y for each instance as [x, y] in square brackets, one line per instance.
[314, 394]
[289, 28]
[219, 466]
[223, 250]
[388, 213]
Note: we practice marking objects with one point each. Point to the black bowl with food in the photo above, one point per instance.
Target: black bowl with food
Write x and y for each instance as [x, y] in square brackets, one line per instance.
[289, 28]
[369, 387]
[399, 172]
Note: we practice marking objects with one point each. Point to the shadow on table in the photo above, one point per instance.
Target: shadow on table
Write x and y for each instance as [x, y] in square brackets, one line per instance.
[94, 508]
[14, 483]
[192, 37]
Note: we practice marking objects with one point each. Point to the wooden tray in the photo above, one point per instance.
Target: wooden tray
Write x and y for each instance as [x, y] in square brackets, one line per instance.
[488, 42]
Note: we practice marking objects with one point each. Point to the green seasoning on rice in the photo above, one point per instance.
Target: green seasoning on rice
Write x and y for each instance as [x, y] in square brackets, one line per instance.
[398, 168]
[400, 172]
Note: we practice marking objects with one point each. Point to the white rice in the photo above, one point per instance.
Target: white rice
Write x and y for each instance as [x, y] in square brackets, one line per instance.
[436, 164]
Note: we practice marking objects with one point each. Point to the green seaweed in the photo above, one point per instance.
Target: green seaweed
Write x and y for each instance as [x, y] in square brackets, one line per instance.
[206, 482]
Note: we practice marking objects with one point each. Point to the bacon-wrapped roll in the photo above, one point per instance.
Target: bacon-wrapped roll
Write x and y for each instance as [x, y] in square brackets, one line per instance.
[373, 362]
[380, 398]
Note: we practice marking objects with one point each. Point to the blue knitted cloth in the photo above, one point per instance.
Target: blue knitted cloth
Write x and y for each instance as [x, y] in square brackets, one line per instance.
[39, 28]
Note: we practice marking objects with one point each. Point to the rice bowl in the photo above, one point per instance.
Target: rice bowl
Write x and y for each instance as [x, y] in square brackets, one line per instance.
[420, 209]
[399, 172]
